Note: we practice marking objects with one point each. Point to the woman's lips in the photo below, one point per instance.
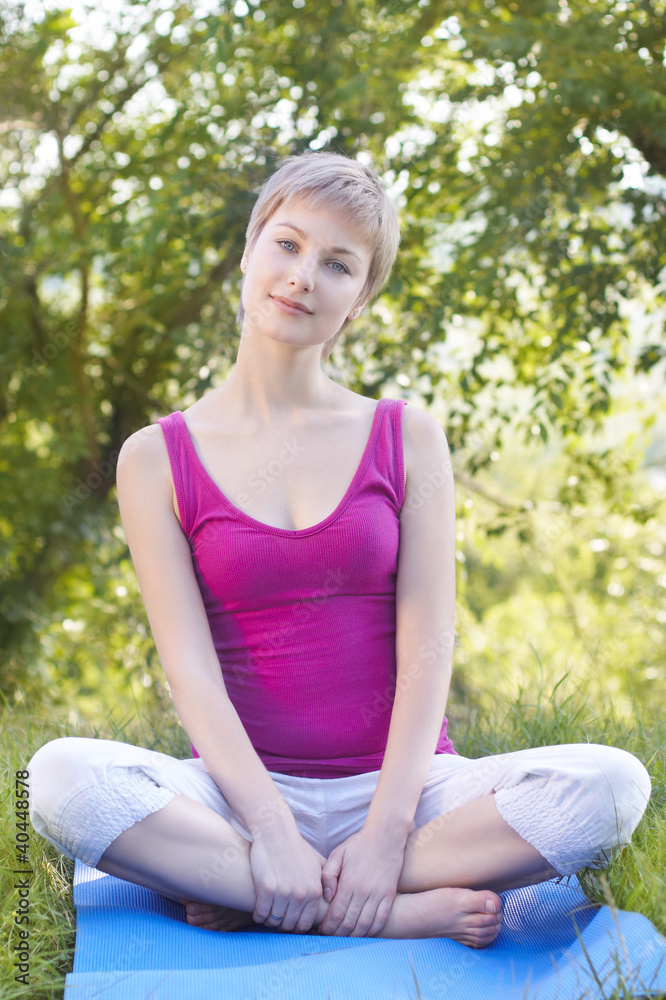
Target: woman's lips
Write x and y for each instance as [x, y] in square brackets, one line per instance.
[291, 307]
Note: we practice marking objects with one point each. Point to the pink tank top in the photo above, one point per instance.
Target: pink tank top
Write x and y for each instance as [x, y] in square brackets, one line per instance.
[303, 622]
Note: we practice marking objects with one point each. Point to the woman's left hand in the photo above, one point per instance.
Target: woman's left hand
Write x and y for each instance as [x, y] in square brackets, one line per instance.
[361, 878]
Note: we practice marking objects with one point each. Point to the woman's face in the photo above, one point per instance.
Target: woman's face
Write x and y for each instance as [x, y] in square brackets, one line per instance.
[304, 275]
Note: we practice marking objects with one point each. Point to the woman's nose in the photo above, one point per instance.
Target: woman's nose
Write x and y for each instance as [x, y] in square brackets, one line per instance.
[301, 274]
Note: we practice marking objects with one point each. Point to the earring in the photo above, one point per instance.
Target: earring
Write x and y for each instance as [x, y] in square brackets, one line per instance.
[243, 266]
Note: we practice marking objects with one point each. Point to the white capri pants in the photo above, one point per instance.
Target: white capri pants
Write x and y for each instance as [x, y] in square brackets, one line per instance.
[577, 804]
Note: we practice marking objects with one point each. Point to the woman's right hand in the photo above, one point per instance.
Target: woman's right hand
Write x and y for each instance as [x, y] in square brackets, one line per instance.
[287, 879]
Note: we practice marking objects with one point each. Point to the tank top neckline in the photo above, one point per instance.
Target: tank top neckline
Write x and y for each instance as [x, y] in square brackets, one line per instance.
[215, 490]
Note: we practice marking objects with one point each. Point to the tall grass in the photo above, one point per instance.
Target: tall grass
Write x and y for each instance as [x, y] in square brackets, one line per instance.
[52, 915]
[634, 881]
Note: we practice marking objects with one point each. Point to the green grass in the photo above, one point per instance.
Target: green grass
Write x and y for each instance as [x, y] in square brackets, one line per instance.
[635, 881]
[52, 914]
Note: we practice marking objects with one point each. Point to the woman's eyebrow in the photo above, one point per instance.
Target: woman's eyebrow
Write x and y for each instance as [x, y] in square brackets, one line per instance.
[336, 250]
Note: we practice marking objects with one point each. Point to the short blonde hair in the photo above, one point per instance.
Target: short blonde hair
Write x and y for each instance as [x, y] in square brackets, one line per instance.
[346, 185]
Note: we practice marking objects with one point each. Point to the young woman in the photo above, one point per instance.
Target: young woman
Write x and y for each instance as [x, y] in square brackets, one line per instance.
[294, 544]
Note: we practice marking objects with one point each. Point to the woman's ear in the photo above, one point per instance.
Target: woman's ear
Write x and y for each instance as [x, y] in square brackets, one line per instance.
[357, 310]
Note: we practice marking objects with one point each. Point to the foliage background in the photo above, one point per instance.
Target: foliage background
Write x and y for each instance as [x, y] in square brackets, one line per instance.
[525, 145]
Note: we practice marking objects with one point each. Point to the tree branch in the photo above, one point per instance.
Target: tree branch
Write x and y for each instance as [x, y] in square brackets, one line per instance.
[79, 351]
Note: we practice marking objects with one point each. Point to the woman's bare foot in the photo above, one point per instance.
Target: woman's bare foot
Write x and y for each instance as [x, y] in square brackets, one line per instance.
[466, 915]
[216, 918]
[212, 917]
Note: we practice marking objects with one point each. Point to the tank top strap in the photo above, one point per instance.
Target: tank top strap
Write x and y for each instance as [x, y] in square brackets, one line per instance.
[387, 464]
[396, 418]
[179, 445]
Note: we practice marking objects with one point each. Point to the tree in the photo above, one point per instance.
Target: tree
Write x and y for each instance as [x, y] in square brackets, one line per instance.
[129, 167]
[539, 185]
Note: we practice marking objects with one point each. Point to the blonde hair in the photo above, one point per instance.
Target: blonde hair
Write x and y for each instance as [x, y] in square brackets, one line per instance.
[346, 185]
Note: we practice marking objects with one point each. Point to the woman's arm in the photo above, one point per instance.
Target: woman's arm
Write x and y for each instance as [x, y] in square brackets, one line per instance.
[425, 622]
[163, 562]
[425, 616]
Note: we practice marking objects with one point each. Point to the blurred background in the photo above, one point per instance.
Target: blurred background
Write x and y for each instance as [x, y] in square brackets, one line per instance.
[524, 144]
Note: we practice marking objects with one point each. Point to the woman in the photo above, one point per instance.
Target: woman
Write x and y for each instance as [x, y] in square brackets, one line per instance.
[308, 646]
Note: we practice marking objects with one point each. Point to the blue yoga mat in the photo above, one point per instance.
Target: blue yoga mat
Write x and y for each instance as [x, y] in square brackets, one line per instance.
[133, 944]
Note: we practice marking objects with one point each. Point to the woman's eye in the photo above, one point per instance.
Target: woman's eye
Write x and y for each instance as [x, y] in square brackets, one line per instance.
[335, 265]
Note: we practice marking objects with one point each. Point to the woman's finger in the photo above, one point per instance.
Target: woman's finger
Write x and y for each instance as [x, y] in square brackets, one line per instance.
[381, 916]
[308, 916]
[349, 920]
[290, 916]
[278, 913]
[265, 902]
[343, 912]
[299, 910]
[336, 912]
[367, 920]
[330, 874]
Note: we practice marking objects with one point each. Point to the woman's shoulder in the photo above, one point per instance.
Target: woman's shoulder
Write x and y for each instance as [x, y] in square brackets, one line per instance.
[421, 425]
[144, 452]
[143, 476]
[416, 421]
[425, 445]
[421, 431]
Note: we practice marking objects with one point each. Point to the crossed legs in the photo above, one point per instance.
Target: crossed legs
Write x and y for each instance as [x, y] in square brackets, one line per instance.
[481, 827]
[453, 868]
